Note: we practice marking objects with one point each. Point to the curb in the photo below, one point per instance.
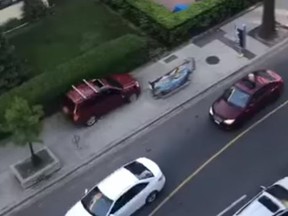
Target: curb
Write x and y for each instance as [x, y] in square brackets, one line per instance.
[278, 47]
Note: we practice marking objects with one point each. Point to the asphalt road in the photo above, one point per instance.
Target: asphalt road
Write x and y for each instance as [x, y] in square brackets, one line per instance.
[183, 143]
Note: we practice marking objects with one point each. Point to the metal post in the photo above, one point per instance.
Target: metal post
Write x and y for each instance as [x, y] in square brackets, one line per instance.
[240, 39]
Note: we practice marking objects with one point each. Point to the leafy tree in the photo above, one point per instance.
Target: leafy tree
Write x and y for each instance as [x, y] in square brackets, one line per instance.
[34, 9]
[268, 29]
[12, 72]
[24, 123]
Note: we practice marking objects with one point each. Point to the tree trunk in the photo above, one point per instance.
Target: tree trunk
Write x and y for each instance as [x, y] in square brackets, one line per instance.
[34, 158]
[268, 29]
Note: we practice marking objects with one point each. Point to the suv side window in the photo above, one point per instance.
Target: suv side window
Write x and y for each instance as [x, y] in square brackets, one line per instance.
[110, 92]
[129, 195]
[91, 102]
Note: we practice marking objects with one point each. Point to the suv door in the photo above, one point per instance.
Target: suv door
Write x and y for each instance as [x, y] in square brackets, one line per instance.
[130, 201]
[109, 100]
[90, 108]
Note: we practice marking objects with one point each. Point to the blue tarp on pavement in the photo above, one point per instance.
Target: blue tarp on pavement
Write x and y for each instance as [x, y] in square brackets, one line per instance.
[180, 7]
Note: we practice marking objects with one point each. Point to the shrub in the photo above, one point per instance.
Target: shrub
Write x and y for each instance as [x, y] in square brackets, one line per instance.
[12, 72]
[117, 56]
[11, 24]
[34, 10]
[23, 121]
[173, 28]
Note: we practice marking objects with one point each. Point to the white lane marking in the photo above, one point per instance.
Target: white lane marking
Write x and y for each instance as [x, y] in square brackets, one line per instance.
[232, 205]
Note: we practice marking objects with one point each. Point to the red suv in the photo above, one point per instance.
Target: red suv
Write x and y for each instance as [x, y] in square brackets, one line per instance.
[90, 100]
[246, 97]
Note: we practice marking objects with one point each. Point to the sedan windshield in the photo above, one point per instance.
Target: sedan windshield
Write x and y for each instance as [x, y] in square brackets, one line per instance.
[237, 97]
[96, 203]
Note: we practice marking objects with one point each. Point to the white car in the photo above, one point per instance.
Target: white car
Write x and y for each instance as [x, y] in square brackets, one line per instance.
[271, 201]
[123, 192]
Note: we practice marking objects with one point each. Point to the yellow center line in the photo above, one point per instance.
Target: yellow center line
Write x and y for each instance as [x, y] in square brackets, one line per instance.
[212, 158]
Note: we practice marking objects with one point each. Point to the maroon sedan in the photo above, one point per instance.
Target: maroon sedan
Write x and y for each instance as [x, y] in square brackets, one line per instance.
[246, 97]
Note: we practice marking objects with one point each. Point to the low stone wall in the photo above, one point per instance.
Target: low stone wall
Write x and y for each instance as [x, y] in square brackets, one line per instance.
[51, 165]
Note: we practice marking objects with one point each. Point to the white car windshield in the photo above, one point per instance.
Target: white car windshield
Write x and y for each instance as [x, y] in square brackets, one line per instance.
[96, 203]
[237, 97]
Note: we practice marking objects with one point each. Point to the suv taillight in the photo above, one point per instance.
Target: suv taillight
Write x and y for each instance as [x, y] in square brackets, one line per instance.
[75, 117]
[65, 110]
[137, 84]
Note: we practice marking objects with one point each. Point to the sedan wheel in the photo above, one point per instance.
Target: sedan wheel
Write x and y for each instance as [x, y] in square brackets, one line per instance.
[151, 198]
[91, 121]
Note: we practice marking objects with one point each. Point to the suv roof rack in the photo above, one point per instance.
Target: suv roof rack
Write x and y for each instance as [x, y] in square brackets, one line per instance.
[79, 92]
[100, 81]
[90, 86]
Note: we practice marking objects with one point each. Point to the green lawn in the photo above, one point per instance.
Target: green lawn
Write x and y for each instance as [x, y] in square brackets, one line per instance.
[76, 26]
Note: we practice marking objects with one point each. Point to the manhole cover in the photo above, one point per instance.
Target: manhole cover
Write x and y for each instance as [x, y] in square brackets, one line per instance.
[212, 60]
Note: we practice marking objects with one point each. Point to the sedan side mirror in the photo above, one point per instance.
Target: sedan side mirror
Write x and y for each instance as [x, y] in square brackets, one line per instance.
[86, 191]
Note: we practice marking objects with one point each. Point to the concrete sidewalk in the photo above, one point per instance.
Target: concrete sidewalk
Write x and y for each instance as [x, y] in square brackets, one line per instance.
[59, 134]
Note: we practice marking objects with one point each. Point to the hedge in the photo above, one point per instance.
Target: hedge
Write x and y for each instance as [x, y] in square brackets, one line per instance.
[117, 56]
[172, 28]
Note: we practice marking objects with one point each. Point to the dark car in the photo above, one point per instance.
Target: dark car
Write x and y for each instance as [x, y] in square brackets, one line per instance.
[246, 97]
[90, 100]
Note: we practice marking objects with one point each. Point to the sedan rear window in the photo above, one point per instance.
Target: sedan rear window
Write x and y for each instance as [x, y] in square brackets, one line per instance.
[268, 203]
[96, 203]
[139, 170]
[263, 73]
[237, 97]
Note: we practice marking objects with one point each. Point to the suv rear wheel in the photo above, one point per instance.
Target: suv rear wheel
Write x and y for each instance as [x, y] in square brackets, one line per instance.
[132, 98]
[91, 121]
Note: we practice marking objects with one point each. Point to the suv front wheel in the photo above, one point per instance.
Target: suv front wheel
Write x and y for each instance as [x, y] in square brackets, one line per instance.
[132, 98]
[91, 121]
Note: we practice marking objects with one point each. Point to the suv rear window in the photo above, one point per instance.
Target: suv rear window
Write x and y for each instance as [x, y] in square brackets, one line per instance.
[113, 82]
[269, 204]
[139, 170]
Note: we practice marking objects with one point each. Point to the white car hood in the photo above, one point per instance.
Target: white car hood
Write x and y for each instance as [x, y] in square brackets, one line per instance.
[256, 209]
[77, 210]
